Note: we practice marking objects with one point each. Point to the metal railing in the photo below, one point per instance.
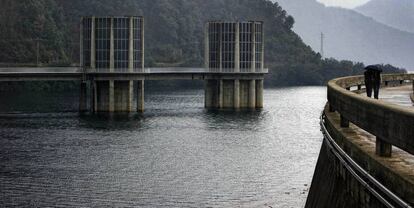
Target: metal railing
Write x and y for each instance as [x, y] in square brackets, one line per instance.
[384, 195]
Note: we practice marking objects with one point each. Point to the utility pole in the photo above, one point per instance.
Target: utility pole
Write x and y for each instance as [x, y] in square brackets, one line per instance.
[322, 52]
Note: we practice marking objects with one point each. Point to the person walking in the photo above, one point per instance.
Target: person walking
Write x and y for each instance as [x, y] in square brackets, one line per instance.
[368, 82]
[373, 80]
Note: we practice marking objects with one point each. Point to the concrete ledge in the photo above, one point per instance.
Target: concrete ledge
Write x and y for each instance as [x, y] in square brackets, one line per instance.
[396, 172]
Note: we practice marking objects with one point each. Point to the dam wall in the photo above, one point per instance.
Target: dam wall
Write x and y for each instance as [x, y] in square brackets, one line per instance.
[366, 159]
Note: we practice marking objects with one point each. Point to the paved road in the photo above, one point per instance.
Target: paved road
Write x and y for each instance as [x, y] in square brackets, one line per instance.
[399, 95]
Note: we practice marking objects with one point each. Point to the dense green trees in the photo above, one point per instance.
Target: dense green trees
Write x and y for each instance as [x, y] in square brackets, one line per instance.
[173, 34]
[29, 26]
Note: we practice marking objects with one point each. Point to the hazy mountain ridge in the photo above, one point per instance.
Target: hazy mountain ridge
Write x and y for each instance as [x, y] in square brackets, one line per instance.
[395, 13]
[350, 35]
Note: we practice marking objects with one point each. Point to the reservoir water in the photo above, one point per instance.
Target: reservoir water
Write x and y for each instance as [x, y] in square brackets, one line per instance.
[176, 154]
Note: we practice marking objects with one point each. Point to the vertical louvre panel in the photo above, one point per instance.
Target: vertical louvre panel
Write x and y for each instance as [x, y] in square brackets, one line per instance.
[121, 43]
[102, 32]
[259, 45]
[245, 46]
[228, 38]
[137, 34]
[87, 29]
[214, 45]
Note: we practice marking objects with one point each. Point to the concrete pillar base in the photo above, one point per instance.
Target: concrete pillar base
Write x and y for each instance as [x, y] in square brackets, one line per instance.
[111, 104]
[122, 96]
[110, 96]
[140, 96]
[234, 94]
[383, 148]
[211, 93]
[259, 93]
[102, 96]
[83, 97]
[252, 94]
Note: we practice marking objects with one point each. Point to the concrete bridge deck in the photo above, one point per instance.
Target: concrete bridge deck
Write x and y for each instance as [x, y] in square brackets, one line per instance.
[167, 73]
[398, 95]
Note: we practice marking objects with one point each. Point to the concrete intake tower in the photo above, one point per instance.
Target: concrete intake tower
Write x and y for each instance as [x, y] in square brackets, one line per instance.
[112, 61]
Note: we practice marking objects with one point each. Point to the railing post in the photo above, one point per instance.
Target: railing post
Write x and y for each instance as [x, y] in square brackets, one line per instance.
[344, 122]
[359, 87]
[383, 148]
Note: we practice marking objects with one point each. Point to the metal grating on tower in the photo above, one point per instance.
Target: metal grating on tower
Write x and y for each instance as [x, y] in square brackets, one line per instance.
[112, 44]
[234, 46]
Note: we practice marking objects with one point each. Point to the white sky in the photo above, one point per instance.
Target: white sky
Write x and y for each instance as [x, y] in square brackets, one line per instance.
[344, 3]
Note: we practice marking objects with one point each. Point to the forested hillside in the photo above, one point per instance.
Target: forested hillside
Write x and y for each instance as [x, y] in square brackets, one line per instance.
[24, 24]
[173, 34]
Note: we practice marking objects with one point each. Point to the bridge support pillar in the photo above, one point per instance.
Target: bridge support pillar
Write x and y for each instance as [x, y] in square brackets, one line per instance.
[383, 148]
[102, 96]
[123, 96]
[234, 94]
[84, 98]
[110, 96]
[259, 93]
[140, 96]
[111, 104]
[211, 93]
[252, 94]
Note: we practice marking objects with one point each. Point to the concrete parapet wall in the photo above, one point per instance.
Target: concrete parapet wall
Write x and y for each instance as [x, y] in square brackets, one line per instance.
[390, 122]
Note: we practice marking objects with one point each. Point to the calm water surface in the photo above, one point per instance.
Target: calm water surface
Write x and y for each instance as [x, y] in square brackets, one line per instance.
[177, 154]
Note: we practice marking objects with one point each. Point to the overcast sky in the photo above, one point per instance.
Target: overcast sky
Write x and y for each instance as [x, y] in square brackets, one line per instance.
[344, 3]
